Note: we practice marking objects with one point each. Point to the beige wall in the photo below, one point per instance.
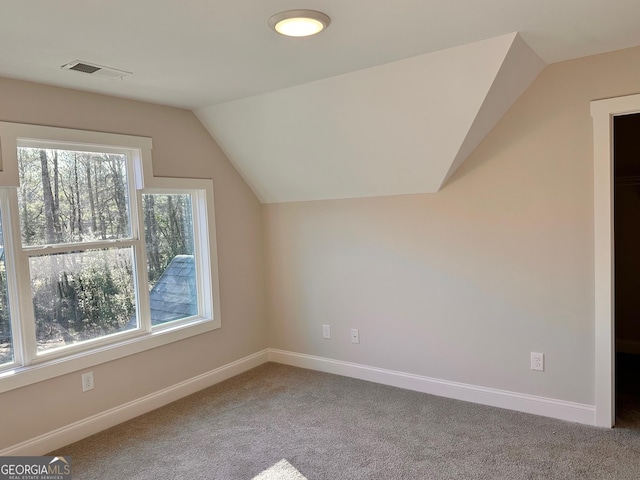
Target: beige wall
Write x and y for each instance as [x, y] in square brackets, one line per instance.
[463, 284]
[181, 148]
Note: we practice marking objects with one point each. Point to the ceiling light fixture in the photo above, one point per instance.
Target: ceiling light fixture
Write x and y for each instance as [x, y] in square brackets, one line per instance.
[299, 23]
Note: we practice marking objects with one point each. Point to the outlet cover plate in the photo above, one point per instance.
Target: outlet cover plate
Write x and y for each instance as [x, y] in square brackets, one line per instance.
[355, 335]
[87, 381]
[326, 331]
[537, 361]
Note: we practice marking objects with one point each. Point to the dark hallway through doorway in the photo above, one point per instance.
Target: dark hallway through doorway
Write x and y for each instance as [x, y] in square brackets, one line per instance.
[627, 268]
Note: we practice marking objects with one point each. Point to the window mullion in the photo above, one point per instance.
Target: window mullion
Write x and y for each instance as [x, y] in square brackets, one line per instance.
[12, 286]
[21, 308]
[142, 282]
[136, 218]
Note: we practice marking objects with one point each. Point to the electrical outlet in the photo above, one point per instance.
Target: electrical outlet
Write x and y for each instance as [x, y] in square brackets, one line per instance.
[537, 361]
[326, 331]
[355, 335]
[87, 381]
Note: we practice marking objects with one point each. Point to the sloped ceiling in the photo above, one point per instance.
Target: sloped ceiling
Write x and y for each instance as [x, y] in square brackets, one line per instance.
[399, 128]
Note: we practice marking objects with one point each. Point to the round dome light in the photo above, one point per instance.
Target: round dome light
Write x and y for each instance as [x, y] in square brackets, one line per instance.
[299, 23]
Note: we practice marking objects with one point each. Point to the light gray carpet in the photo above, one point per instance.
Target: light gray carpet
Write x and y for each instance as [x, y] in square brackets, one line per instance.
[333, 428]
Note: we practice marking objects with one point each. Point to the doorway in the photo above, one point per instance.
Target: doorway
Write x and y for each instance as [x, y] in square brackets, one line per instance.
[626, 166]
[604, 112]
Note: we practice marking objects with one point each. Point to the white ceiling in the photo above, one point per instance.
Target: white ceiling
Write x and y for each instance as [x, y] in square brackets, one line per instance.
[194, 53]
[401, 91]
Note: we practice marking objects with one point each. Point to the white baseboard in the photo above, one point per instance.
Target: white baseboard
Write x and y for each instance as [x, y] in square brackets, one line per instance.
[548, 407]
[83, 428]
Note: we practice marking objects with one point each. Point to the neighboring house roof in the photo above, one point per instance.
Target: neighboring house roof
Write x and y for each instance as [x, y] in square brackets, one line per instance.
[174, 295]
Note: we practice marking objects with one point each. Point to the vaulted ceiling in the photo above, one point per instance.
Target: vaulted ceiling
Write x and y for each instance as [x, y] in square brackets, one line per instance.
[398, 128]
[390, 99]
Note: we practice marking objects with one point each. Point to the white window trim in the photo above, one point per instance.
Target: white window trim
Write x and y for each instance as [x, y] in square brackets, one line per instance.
[144, 182]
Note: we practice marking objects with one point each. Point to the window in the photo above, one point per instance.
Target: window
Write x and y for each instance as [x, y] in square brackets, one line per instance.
[6, 340]
[98, 258]
[78, 241]
[171, 266]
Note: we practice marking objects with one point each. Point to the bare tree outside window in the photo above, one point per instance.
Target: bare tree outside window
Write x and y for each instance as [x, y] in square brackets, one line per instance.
[68, 196]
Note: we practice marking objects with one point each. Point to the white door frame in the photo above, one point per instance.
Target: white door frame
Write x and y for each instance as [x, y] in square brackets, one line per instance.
[603, 112]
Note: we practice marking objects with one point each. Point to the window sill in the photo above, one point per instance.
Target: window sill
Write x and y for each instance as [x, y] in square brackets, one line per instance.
[23, 376]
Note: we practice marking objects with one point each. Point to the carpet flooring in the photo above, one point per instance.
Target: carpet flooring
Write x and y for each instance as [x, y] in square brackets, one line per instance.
[331, 427]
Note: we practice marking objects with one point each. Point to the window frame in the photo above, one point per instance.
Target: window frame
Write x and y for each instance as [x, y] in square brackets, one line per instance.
[200, 238]
[23, 253]
[29, 366]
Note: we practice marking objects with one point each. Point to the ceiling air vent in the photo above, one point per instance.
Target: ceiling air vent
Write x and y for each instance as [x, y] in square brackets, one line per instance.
[95, 70]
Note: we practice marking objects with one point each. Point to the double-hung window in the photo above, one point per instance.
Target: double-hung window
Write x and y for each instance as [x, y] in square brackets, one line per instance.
[98, 258]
